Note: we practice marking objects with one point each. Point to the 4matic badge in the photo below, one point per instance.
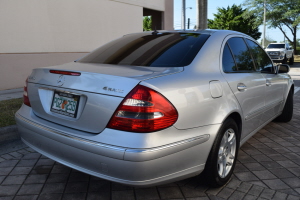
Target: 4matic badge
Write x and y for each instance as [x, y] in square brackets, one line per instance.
[113, 89]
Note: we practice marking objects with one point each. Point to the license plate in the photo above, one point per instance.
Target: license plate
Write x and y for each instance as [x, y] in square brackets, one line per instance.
[65, 104]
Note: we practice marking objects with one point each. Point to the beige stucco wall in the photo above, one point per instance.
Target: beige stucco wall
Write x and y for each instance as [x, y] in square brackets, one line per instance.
[64, 25]
[56, 27]
[15, 68]
[152, 4]
[169, 15]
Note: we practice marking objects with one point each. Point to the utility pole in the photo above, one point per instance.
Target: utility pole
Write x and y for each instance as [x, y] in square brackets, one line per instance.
[183, 16]
[264, 32]
[201, 14]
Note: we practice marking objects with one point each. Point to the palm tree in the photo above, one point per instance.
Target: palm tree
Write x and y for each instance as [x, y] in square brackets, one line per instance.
[202, 14]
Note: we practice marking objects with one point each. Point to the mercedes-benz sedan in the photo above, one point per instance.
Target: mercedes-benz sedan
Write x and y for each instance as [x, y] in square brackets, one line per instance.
[155, 107]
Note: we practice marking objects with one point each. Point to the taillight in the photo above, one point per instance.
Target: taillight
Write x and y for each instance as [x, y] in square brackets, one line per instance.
[143, 110]
[25, 94]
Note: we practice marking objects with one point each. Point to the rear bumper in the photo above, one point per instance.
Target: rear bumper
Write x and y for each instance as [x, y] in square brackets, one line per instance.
[123, 164]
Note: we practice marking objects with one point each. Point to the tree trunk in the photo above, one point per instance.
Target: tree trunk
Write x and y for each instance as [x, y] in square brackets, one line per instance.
[201, 14]
[295, 39]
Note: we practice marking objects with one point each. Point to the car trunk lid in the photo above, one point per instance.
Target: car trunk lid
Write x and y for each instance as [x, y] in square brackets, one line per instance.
[93, 93]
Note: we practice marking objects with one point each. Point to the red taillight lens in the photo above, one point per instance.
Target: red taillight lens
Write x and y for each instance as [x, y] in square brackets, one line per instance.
[143, 110]
[25, 94]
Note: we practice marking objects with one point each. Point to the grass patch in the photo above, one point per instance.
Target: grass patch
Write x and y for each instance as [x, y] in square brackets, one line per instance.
[8, 108]
[297, 51]
[297, 58]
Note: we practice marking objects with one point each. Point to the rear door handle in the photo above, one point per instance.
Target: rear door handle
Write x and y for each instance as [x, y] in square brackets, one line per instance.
[241, 87]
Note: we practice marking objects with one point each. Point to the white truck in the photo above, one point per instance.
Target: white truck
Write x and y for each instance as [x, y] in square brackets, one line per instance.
[281, 53]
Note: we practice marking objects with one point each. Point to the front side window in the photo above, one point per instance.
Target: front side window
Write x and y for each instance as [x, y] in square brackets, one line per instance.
[166, 49]
[262, 60]
[241, 54]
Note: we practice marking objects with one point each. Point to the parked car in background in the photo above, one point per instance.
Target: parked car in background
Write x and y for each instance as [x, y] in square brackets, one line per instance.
[155, 107]
[281, 52]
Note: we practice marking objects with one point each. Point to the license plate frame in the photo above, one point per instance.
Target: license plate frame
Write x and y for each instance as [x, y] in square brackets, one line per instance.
[64, 103]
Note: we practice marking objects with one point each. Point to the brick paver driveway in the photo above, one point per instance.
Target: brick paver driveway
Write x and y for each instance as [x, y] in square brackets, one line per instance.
[268, 167]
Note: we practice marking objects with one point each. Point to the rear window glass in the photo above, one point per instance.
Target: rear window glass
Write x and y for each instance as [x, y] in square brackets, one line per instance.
[145, 49]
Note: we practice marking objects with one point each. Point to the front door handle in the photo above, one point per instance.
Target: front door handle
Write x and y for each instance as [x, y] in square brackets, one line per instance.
[241, 87]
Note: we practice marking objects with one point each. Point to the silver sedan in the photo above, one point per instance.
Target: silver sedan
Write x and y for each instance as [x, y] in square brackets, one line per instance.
[156, 107]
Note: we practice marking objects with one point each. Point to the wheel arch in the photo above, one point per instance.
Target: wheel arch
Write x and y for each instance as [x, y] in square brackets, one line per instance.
[292, 88]
[209, 173]
[238, 120]
[289, 88]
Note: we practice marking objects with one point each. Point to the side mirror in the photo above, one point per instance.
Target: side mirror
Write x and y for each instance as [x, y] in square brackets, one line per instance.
[282, 68]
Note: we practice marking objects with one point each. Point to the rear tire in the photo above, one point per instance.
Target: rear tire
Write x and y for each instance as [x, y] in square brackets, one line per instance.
[287, 112]
[223, 155]
[291, 60]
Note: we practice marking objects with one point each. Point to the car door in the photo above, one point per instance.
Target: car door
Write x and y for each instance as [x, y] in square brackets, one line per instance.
[246, 83]
[275, 83]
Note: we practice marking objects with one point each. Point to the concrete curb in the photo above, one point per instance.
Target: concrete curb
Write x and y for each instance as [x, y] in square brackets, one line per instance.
[9, 133]
[11, 94]
[10, 91]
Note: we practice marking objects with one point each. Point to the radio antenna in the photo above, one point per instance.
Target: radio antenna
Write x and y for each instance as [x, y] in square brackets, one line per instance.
[155, 32]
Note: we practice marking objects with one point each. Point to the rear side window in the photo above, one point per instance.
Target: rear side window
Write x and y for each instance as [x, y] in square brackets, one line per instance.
[241, 54]
[262, 60]
[173, 49]
[228, 61]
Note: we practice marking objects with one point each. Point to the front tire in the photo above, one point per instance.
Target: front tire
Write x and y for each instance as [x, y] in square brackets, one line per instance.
[287, 112]
[284, 61]
[223, 155]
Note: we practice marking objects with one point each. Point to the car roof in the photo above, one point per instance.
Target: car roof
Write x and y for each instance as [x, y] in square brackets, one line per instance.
[200, 31]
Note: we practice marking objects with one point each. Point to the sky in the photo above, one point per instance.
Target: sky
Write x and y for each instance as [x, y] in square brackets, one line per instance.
[274, 34]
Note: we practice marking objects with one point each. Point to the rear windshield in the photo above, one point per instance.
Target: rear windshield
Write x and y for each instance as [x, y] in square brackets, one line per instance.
[276, 46]
[144, 49]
